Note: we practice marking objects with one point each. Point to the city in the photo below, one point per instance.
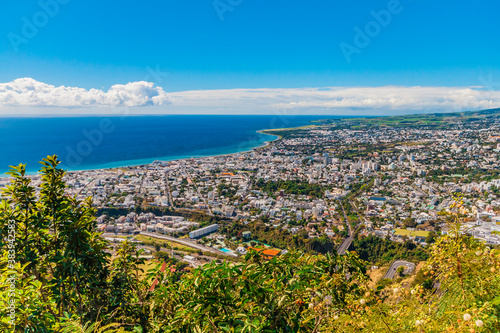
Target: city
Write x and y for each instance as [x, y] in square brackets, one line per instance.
[395, 182]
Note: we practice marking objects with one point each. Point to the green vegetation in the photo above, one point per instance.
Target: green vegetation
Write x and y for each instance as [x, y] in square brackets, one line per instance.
[431, 120]
[66, 282]
[227, 190]
[167, 244]
[471, 174]
[436, 121]
[158, 243]
[281, 238]
[290, 187]
[285, 132]
[382, 251]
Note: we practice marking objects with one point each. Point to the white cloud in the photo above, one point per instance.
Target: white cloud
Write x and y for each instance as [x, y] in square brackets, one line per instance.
[335, 100]
[390, 98]
[29, 92]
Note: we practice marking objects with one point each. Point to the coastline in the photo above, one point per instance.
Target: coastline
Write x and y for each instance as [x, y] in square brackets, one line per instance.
[172, 159]
[278, 137]
[139, 141]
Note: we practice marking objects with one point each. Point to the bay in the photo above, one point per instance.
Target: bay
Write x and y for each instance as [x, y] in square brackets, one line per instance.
[84, 143]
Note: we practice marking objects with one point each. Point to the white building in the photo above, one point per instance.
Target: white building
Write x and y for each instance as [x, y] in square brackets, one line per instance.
[203, 231]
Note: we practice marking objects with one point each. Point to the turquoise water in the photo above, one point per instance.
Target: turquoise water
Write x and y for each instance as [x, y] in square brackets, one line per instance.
[225, 250]
[84, 143]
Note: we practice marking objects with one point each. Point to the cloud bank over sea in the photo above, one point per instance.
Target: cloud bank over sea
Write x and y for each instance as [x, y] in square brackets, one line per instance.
[27, 94]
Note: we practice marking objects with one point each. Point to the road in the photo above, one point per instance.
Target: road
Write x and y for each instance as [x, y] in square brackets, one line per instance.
[425, 195]
[344, 246]
[179, 257]
[183, 242]
[169, 193]
[409, 267]
[83, 188]
[200, 194]
[166, 249]
[347, 242]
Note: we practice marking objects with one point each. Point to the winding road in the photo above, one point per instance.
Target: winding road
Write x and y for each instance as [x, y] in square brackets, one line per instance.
[408, 266]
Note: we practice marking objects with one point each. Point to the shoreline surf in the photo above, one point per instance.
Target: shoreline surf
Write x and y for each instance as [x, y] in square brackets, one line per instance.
[131, 163]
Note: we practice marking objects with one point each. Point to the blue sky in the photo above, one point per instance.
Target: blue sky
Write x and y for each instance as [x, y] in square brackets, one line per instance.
[258, 44]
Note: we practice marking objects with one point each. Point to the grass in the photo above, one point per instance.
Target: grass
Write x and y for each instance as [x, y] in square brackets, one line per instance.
[259, 244]
[180, 248]
[418, 267]
[149, 264]
[164, 243]
[411, 233]
[377, 274]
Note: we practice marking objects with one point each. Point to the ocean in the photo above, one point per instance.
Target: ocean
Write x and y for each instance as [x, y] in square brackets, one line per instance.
[84, 143]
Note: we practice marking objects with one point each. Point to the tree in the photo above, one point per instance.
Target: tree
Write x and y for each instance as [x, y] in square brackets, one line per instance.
[128, 291]
[431, 237]
[162, 255]
[409, 222]
[292, 293]
[58, 254]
